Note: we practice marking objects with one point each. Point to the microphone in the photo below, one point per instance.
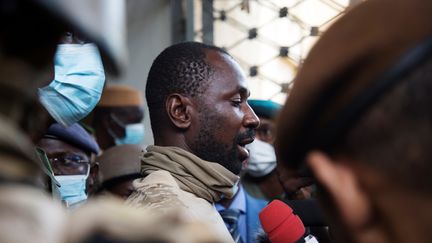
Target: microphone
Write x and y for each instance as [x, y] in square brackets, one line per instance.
[282, 225]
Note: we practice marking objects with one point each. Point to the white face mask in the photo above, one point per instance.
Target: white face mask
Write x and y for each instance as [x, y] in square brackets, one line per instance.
[134, 134]
[262, 158]
[77, 85]
[72, 188]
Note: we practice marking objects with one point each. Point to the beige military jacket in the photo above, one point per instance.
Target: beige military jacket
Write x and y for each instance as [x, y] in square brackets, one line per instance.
[160, 192]
[27, 213]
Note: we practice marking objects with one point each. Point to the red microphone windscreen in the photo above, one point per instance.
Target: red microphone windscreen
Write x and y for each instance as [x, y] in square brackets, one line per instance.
[280, 224]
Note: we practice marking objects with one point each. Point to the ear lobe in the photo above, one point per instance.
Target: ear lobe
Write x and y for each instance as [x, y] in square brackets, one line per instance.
[178, 109]
[341, 182]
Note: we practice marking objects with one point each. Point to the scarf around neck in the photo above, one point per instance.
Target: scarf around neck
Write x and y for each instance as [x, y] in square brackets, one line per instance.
[208, 180]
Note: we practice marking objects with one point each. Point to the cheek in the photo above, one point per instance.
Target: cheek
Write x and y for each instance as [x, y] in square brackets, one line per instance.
[229, 120]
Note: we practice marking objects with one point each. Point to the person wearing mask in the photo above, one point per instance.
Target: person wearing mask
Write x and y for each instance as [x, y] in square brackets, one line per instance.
[118, 117]
[358, 120]
[70, 152]
[260, 178]
[27, 214]
[240, 213]
[119, 166]
[201, 122]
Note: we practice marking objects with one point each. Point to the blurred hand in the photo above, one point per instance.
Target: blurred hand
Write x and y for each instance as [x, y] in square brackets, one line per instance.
[296, 186]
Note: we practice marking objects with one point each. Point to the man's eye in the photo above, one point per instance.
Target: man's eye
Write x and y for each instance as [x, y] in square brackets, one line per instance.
[236, 103]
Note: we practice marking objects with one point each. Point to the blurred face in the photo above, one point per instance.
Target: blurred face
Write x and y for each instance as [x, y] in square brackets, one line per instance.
[122, 189]
[225, 122]
[111, 122]
[122, 116]
[265, 131]
[65, 159]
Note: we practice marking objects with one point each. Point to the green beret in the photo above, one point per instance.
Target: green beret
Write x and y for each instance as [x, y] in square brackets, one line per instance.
[265, 108]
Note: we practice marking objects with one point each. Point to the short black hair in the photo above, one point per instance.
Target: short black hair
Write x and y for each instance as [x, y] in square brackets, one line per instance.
[181, 68]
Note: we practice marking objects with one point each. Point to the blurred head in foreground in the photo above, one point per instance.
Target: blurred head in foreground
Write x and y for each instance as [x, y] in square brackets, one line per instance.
[118, 167]
[359, 120]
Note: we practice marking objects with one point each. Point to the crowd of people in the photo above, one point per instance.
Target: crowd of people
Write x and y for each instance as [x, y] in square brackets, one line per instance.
[348, 152]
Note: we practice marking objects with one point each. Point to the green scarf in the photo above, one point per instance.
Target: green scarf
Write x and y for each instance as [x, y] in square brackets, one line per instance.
[207, 180]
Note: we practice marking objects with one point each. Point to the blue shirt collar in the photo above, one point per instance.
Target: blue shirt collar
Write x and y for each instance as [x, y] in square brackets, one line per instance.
[239, 202]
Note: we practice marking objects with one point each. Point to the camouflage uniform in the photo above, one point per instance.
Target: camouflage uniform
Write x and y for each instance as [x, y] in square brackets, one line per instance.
[160, 193]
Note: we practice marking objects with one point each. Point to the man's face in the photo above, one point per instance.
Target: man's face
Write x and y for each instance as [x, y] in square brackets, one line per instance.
[65, 159]
[265, 131]
[122, 116]
[225, 121]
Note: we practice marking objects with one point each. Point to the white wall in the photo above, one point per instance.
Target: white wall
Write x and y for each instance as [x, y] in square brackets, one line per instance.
[149, 32]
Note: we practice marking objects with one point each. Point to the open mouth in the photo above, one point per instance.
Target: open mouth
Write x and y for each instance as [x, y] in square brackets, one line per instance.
[243, 151]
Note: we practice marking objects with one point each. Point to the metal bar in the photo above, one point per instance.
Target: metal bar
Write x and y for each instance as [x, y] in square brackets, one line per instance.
[190, 31]
[177, 21]
[207, 21]
[335, 5]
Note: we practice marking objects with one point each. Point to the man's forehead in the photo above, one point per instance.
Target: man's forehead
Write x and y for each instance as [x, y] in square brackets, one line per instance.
[227, 71]
[220, 60]
[52, 145]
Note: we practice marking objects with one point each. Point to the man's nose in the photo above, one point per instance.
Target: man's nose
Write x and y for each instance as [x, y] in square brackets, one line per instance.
[250, 120]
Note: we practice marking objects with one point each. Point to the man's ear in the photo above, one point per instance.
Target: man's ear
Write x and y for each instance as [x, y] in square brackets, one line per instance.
[342, 183]
[179, 110]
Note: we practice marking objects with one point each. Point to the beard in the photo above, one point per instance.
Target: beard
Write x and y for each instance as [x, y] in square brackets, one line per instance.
[213, 151]
[207, 146]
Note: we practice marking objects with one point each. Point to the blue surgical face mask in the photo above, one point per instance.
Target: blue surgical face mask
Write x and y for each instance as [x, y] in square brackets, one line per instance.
[77, 85]
[72, 188]
[134, 134]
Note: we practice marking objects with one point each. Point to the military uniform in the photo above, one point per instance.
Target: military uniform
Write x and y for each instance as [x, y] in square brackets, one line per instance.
[27, 214]
[178, 180]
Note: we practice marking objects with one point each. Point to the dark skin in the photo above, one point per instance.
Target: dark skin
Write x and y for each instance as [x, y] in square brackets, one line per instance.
[280, 181]
[110, 121]
[55, 149]
[296, 185]
[266, 130]
[270, 186]
[225, 101]
[122, 189]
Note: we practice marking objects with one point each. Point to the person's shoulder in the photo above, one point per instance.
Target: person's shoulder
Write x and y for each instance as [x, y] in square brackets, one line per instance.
[108, 219]
[157, 190]
[157, 177]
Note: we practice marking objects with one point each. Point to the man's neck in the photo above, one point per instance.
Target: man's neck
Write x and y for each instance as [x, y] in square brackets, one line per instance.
[171, 140]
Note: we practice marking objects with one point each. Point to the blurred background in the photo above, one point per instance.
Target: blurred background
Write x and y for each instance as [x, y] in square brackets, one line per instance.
[269, 38]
